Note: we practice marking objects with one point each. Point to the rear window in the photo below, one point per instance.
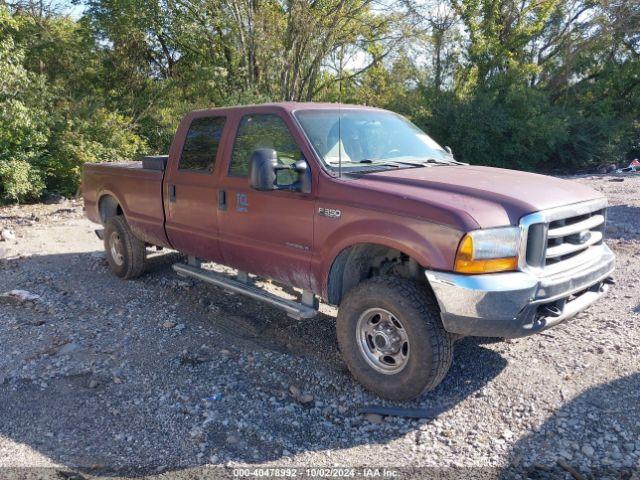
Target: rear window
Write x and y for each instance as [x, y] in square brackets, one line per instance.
[201, 145]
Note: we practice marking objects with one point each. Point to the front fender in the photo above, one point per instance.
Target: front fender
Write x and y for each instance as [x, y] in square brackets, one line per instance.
[432, 245]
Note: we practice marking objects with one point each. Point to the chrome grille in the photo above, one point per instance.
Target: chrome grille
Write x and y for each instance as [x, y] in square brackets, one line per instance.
[568, 237]
[562, 238]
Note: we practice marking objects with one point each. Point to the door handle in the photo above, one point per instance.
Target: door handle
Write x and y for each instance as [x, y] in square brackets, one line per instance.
[172, 193]
[222, 200]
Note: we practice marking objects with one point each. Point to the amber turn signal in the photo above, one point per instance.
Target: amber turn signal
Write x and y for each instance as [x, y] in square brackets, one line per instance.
[465, 262]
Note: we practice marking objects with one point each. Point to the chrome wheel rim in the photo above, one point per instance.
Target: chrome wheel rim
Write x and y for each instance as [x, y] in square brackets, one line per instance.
[116, 248]
[383, 341]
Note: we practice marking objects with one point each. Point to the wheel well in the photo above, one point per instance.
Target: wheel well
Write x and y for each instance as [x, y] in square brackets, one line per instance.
[108, 207]
[365, 260]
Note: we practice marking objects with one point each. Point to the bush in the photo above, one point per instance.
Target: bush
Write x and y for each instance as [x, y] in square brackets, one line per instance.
[45, 133]
[19, 180]
[515, 127]
[23, 121]
[87, 136]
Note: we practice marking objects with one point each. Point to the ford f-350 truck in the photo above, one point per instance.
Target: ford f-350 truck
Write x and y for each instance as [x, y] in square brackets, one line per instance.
[359, 207]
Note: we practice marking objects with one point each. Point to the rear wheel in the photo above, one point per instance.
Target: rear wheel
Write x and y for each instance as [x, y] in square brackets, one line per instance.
[392, 339]
[125, 253]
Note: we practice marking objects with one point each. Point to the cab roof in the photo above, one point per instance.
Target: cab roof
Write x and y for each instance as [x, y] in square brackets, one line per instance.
[286, 106]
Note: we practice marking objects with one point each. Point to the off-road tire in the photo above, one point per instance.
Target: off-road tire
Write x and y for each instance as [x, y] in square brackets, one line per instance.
[431, 347]
[133, 250]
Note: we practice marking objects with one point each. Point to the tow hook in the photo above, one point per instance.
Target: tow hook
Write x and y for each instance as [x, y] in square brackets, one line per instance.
[551, 311]
[609, 281]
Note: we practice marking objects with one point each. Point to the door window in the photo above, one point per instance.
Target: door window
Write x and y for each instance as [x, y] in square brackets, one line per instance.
[263, 131]
[201, 145]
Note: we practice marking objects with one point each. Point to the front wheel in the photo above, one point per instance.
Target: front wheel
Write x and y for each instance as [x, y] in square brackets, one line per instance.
[392, 339]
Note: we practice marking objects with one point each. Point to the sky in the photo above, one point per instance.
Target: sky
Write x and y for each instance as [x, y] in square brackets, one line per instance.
[65, 6]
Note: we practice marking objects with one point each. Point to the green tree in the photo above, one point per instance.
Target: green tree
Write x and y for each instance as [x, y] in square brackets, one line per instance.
[23, 119]
[542, 85]
[87, 136]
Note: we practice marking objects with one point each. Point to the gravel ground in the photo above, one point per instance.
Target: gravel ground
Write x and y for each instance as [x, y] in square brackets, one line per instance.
[162, 376]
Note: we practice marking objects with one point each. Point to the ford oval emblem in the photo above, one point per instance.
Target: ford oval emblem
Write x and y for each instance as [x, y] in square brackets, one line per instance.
[584, 237]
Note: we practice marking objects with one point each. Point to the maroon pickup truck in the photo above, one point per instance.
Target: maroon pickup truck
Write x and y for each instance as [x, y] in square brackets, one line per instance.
[359, 207]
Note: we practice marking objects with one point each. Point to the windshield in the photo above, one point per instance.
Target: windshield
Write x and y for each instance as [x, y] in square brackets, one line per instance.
[361, 137]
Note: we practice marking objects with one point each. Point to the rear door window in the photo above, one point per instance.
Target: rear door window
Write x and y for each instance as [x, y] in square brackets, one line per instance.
[201, 145]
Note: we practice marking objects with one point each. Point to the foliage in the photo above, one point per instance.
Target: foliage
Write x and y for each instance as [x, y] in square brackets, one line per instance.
[87, 136]
[549, 85]
[23, 128]
[542, 85]
[52, 113]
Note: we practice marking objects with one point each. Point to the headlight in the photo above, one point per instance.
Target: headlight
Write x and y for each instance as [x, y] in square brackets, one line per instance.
[486, 251]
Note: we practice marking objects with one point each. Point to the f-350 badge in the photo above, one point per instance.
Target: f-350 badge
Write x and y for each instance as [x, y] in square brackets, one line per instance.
[329, 212]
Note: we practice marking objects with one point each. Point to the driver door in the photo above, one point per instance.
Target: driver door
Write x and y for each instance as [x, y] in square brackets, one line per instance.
[269, 233]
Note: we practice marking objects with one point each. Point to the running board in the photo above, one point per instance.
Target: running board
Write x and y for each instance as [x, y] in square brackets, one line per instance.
[294, 309]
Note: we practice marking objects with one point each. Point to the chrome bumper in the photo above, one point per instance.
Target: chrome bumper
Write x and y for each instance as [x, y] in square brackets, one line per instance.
[516, 304]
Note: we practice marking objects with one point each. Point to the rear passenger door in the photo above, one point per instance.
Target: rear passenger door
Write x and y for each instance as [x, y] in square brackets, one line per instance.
[190, 190]
[268, 233]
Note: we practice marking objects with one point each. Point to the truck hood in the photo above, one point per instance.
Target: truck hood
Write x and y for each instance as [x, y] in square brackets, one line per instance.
[491, 197]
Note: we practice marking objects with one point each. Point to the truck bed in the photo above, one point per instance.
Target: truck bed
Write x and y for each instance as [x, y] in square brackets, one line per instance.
[139, 192]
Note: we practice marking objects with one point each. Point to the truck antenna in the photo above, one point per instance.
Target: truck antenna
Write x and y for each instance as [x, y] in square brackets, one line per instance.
[340, 113]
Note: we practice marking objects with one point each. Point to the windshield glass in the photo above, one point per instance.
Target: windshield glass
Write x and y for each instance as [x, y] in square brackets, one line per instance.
[360, 137]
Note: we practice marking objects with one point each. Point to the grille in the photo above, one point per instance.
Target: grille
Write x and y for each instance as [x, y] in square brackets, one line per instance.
[566, 237]
[569, 237]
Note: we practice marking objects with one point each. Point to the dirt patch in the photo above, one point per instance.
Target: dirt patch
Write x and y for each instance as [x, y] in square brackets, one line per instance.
[104, 376]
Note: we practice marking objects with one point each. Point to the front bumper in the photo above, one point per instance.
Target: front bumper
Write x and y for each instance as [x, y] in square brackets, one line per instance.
[516, 304]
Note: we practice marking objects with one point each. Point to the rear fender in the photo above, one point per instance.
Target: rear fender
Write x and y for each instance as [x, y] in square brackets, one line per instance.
[147, 228]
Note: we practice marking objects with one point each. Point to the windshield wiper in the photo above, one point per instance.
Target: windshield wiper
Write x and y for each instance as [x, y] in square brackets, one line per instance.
[352, 167]
[443, 162]
[391, 163]
[416, 163]
[372, 163]
[384, 164]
